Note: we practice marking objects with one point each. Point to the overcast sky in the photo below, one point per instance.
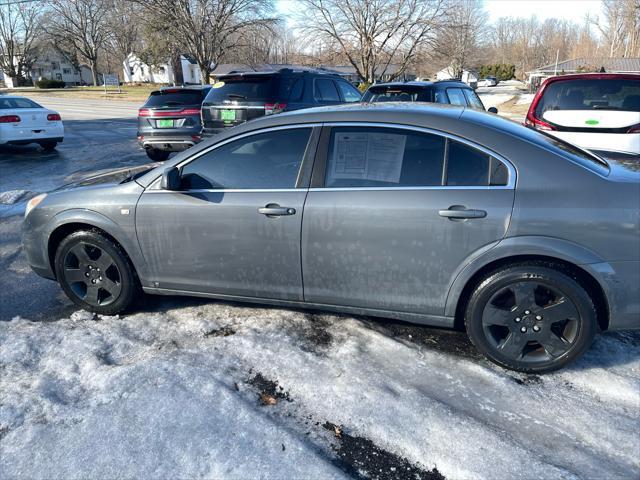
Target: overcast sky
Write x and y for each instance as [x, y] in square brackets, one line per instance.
[574, 10]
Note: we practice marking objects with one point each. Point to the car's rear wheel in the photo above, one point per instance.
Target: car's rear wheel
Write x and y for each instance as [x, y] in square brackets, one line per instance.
[48, 146]
[95, 273]
[531, 318]
[157, 155]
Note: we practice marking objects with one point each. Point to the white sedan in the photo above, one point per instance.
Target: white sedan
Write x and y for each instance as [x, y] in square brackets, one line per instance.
[23, 121]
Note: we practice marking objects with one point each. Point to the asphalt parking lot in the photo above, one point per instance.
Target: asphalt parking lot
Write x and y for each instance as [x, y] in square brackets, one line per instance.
[193, 388]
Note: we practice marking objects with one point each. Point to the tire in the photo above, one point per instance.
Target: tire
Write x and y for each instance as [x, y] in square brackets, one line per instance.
[532, 318]
[48, 146]
[157, 155]
[95, 273]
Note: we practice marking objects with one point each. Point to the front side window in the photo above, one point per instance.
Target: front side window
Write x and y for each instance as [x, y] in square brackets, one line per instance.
[383, 157]
[325, 90]
[349, 93]
[265, 160]
[456, 97]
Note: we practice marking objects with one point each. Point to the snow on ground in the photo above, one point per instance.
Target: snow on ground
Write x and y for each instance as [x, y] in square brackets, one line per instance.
[210, 389]
[495, 99]
[525, 98]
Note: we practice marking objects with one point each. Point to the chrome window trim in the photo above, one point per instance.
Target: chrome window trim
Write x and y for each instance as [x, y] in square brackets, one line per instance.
[511, 182]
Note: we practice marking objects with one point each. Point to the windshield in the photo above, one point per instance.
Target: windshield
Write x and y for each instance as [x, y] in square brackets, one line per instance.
[13, 103]
[243, 88]
[173, 98]
[591, 94]
[396, 94]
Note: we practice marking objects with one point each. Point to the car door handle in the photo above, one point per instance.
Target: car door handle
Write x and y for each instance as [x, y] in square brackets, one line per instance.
[458, 211]
[275, 210]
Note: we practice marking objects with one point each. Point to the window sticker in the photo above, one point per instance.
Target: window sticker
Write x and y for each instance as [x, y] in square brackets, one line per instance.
[368, 156]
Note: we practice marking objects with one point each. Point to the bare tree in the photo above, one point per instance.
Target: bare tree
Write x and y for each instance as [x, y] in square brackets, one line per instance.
[124, 25]
[209, 29]
[620, 27]
[373, 34]
[462, 35]
[81, 27]
[19, 26]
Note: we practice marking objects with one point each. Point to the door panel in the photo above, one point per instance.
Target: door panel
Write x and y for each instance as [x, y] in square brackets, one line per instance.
[391, 249]
[217, 242]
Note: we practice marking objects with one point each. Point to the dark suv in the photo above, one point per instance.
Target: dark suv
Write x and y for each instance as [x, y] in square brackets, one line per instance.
[239, 97]
[445, 91]
[169, 121]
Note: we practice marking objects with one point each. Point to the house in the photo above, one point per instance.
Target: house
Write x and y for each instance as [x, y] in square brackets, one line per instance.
[136, 71]
[53, 65]
[583, 65]
[449, 73]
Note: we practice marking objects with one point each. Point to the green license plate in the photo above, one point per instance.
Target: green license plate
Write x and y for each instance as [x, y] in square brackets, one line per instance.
[228, 115]
[164, 123]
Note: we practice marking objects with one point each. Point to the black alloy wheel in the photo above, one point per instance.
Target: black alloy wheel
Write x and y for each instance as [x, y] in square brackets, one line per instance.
[95, 273]
[531, 319]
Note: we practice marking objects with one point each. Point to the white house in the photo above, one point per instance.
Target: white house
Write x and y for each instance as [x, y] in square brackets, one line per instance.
[136, 71]
[449, 73]
[52, 65]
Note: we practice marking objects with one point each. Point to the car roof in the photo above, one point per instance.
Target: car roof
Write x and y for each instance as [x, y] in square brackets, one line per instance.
[282, 71]
[593, 76]
[444, 83]
[184, 87]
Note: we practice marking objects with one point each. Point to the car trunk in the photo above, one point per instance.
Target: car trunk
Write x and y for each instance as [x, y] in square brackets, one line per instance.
[31, 117]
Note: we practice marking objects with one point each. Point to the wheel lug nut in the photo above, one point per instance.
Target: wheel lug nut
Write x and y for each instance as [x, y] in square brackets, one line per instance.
[93, 281]
[100, 278]
[518, 319]
[86, 274]
[527, 312]
[536, 328]
[523, 329]
[538, 317]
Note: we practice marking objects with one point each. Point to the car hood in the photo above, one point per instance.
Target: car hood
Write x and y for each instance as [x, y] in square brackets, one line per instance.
[112, 175]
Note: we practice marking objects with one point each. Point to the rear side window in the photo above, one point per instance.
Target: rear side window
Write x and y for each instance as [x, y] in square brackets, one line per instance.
[325, 90]
[349, 92]
[365, 157]
[244, 88]
[466, 165]
[473, 100]
[456, 97]
[591, 94]
[291, 89]
[174, 98]
[7, 103]
[265, 160]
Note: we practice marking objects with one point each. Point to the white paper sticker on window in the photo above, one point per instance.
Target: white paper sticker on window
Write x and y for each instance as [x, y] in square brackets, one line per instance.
[368, 156]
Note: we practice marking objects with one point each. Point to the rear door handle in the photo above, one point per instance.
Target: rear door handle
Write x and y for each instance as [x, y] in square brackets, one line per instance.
[275, 210]
[458, 211]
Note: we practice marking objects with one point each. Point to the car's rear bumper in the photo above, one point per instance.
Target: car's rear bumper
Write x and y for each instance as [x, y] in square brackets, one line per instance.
[168, 144]
[34, 140]
[18, 134]
[617, 142]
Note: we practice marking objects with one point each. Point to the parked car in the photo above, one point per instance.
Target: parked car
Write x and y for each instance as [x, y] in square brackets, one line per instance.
[453, 92]
[169, 121]
[488, 82]
[23, 121]
[239, 97]
[599, 111]
[432, 214]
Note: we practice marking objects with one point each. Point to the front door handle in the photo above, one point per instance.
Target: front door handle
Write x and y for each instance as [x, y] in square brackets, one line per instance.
[461, 212]
[275, 210]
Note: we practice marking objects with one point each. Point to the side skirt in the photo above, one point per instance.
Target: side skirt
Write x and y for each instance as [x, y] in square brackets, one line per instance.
[431, 320]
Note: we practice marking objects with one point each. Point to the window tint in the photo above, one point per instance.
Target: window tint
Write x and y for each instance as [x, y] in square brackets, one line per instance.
[373, 157]
[473, 100]
[349, 92]
[456, 97]
[6, 103]
[243, 88]
[499, 174]
[466, 165]
[325, 90]
[441, 97]
[265, 160]
[591, 94]
[174, 98]
[292, 89]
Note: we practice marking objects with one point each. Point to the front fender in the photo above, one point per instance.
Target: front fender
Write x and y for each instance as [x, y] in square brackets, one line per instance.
[518, 246]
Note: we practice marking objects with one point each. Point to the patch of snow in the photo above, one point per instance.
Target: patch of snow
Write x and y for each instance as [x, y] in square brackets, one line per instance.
[158, 394]
[495, 99]
[525, 98]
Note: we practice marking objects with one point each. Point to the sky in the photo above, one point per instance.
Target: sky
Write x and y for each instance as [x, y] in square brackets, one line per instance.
[574, 10]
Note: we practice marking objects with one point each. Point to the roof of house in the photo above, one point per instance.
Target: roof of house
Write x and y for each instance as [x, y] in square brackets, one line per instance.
[609, 64]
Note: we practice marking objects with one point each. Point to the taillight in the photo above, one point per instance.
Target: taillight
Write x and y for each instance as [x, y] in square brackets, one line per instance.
[9, 119]
[54, 117]
[144, 112]
[533, 121]
[190, 111]
[271, 108]
[634, 128]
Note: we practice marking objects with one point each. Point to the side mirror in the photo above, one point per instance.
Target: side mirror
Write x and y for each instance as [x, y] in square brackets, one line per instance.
[170, 179]
[492, 110]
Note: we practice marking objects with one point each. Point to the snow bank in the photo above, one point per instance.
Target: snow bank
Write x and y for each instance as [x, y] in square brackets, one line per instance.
[172, 394]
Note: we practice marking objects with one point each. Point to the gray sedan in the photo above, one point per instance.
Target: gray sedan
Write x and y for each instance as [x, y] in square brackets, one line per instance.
[431, 214]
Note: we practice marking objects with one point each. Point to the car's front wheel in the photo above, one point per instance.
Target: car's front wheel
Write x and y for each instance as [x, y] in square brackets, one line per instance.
[531, 318]
[157, 155]
[95, 273]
